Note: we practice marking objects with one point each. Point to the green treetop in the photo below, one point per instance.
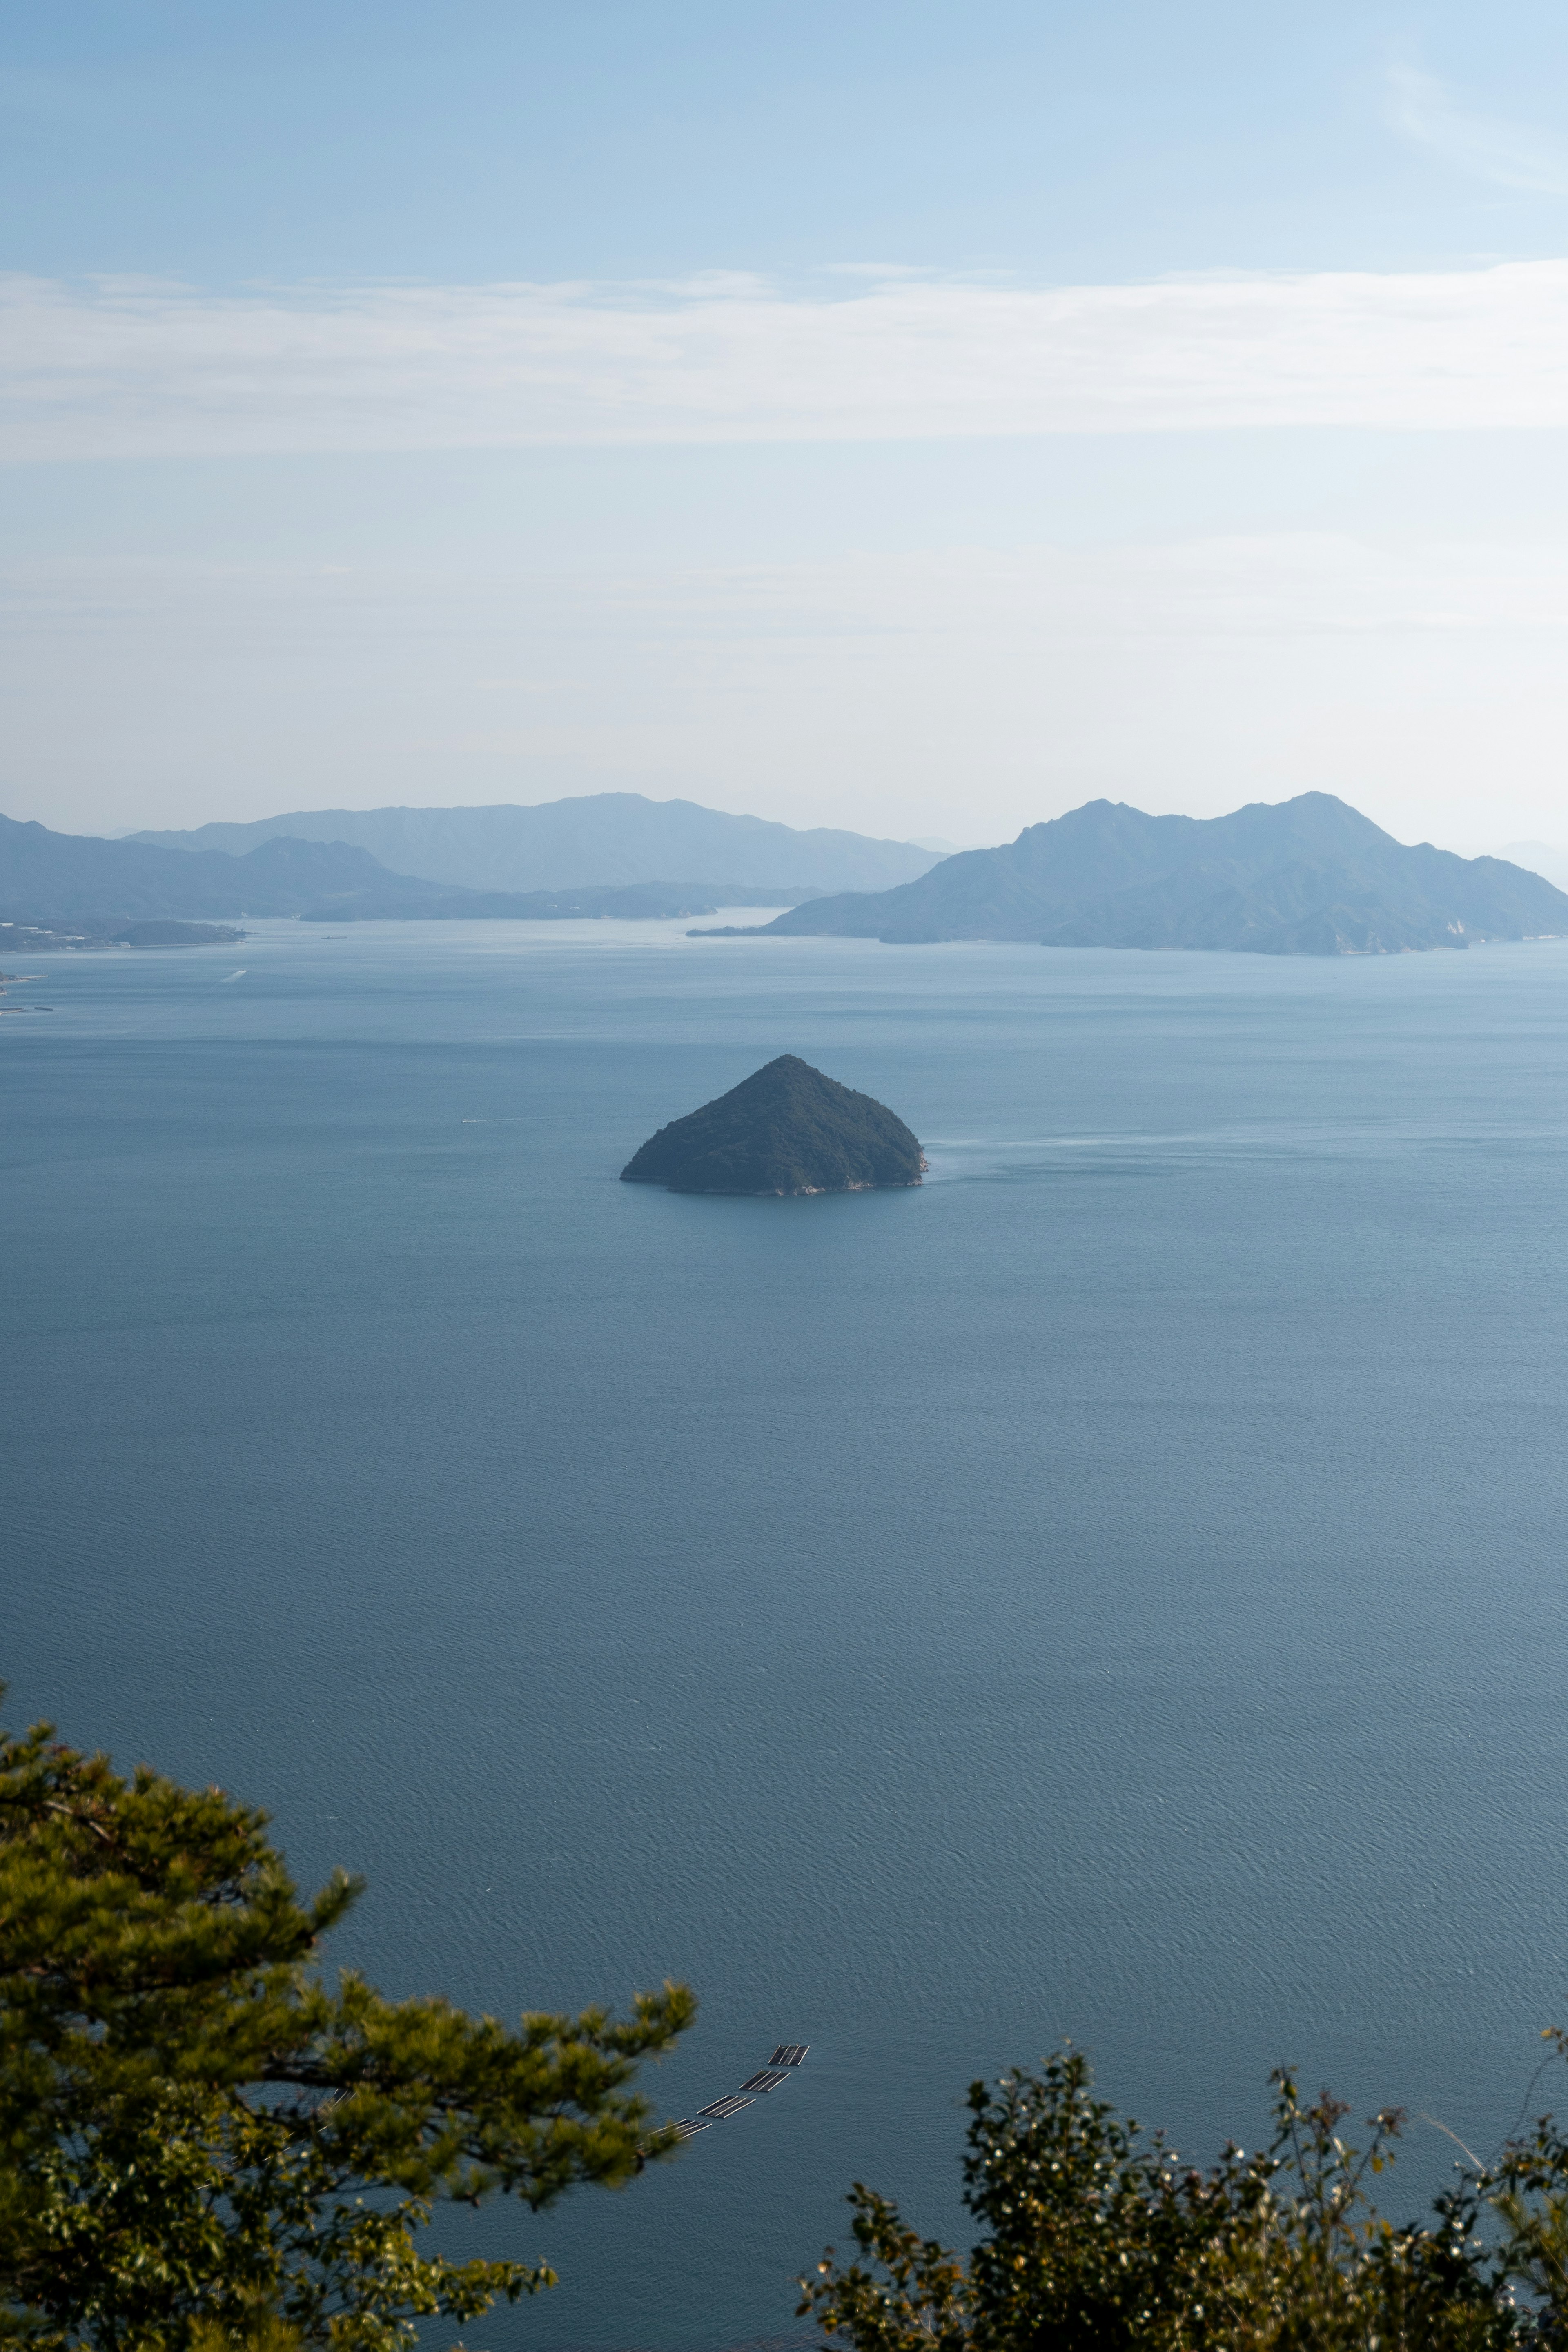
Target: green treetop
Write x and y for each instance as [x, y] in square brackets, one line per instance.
[1095, 2238]
[196, 2127]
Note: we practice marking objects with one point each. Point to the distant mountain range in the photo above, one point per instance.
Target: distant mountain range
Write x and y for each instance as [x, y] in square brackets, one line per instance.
[602, 840]
[1310, 877]
[47, 875]
[1307, 876]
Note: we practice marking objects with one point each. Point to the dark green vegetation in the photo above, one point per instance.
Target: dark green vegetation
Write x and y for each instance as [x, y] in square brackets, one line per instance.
[205, 2148]
[609, 840]
[194, 2126]
[785, 1129]
[1307, 877]
[1098, 2239]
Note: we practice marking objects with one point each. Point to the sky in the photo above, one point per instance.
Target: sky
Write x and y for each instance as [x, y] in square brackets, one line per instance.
[915, 417]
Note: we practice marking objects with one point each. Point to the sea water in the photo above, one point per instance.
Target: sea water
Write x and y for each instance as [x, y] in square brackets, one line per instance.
[1115, 1591]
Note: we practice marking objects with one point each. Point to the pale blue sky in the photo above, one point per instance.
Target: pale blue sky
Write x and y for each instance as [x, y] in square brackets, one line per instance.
[484, 140]
[482, 402]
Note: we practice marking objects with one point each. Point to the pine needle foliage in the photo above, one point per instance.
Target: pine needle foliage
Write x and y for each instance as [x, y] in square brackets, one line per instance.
[1097, 2239]
[197, 2128]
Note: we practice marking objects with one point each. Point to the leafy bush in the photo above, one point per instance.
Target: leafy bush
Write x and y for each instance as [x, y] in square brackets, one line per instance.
[1096, 2238]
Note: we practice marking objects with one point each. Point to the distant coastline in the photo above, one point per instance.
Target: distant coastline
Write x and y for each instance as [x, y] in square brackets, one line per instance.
[94, 934]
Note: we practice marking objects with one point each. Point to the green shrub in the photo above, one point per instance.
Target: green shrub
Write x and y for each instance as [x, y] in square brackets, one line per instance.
[1097, 2239]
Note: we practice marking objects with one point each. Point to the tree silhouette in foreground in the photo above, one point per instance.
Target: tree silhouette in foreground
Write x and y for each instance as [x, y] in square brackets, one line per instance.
[200, 2139]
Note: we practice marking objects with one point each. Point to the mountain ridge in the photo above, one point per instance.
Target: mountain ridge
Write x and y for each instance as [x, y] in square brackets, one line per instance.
[1309, 876]
[47, 876]
[599, 840]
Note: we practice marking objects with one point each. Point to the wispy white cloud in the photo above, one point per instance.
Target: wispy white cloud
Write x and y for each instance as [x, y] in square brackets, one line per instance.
[126, 367]
[1509, 154]
[133, 368]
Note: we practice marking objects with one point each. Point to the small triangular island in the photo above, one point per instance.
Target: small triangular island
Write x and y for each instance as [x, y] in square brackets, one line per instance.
[784, 1132]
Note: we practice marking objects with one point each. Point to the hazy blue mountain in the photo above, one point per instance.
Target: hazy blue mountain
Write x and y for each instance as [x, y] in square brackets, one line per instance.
[606, 838]
[50, 876]
[54, 874]
[1308, 877]
[1537, 857]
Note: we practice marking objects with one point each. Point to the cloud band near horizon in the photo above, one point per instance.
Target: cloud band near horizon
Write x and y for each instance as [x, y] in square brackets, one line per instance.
[128, 368]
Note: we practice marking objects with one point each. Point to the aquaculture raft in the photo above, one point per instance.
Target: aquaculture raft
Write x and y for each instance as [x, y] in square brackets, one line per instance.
[787, 2056]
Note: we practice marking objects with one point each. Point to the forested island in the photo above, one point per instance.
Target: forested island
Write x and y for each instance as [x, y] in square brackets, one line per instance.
[787, 1130]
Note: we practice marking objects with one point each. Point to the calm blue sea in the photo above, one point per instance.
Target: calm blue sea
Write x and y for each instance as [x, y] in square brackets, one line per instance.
[1115, 1591]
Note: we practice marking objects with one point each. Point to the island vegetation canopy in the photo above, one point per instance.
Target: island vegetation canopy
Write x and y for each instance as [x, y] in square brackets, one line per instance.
[786, 1129]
